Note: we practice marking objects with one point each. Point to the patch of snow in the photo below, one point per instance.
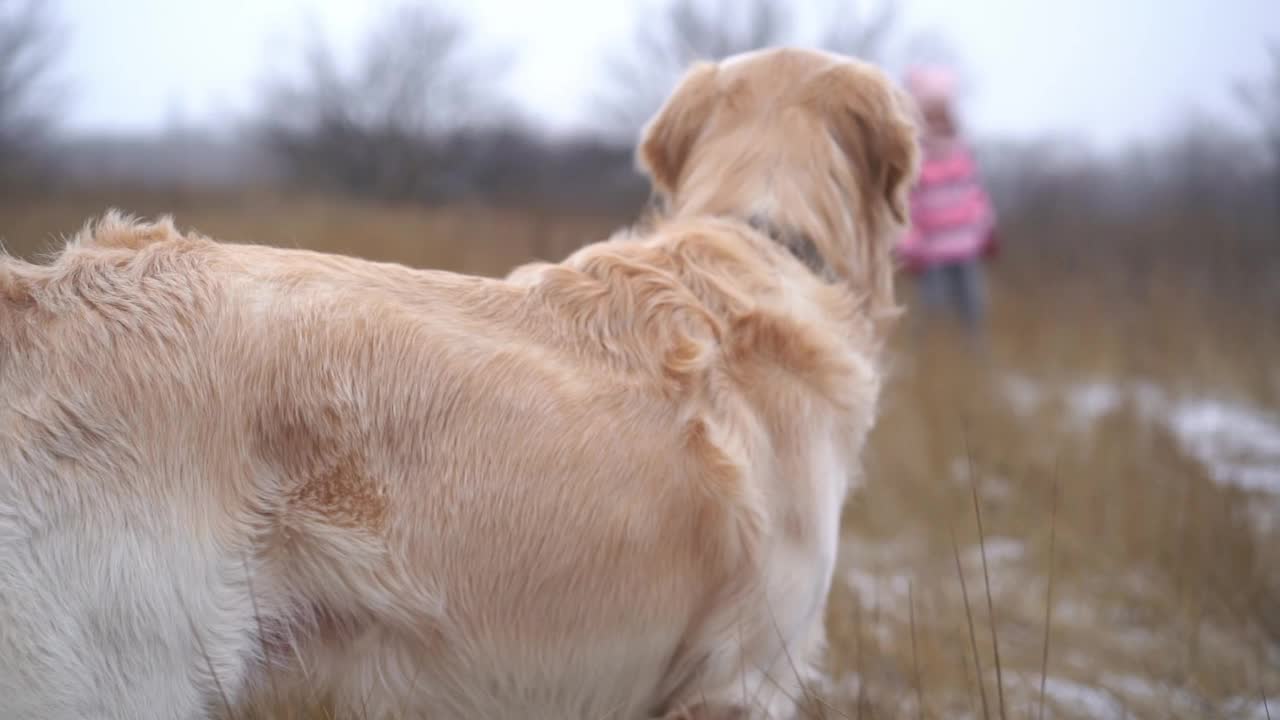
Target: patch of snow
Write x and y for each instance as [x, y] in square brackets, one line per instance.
[1177, 701]
[1133, 686]
[1248, 709]
[847, 687]
[1115, 692]
[1239, 445]
[1023, 393]
[1245, 477]
[995, 487]
[1265, 514]
[1086, 700]
[1072, 614]
[875, 590]
[1089, 402]
[1000, 552]
[1149, 399]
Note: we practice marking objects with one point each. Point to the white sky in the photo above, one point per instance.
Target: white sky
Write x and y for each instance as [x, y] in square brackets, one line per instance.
[1104, 70]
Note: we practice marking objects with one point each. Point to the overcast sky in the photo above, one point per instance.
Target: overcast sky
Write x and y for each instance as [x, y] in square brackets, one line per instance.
[1103, 70]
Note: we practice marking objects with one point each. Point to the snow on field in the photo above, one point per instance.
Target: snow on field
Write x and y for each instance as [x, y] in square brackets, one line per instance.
[1237, 443]
[1086, 700]
[1128, 696]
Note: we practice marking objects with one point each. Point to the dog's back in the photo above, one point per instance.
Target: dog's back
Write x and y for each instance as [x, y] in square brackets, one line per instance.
[526, 498]
[608, 489]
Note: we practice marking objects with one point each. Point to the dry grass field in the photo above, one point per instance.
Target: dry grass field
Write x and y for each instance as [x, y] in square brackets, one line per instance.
[1086, 524]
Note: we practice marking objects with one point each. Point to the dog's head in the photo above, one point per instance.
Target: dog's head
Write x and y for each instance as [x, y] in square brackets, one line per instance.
[812, 143]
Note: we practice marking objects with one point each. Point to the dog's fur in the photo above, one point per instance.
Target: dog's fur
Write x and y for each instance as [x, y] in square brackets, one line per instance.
[604, 488]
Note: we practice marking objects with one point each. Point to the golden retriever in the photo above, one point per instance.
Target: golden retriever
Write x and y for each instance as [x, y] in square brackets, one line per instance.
[604, 488]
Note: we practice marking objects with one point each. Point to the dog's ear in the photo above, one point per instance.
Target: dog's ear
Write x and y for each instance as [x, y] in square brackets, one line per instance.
[668, 138]
[868, 117]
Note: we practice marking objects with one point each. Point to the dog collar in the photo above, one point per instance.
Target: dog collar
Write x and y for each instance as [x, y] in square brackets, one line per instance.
[798, 243]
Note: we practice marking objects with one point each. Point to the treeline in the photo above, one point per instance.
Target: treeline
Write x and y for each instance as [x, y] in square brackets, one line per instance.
[416, 115]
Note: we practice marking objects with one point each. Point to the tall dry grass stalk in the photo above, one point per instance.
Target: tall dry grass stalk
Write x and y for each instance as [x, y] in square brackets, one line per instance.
[1048, 598]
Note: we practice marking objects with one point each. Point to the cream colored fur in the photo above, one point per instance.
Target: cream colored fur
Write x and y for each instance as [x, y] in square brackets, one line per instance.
[604, 488]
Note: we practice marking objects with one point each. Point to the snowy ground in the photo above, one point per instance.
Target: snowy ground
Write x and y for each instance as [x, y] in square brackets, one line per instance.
[1239, 446]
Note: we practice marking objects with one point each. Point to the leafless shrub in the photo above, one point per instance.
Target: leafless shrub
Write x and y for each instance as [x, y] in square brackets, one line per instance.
[670, 36]
[1263, 99]
[29, 49]
[385, 126]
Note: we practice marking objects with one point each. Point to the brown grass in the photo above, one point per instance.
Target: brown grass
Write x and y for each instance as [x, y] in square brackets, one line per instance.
[1118, 577]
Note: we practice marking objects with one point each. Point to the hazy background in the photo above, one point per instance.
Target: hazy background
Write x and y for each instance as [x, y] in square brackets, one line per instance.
[1084, 523]
[1091, 77]
[1103, 71]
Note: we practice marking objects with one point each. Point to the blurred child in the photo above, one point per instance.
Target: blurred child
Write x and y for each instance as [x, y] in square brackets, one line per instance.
[952, 220]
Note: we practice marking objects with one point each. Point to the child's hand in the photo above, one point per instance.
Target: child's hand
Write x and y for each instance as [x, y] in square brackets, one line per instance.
[909, 254]
[991, 245]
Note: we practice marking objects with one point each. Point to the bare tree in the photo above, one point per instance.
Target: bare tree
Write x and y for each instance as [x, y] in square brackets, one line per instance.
[385, 126]
[1263, 99]
[860, 30]
[28, 53]
[671, 36]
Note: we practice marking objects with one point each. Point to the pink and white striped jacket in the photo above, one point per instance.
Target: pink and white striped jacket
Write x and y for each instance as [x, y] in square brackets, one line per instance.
[952, 218]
